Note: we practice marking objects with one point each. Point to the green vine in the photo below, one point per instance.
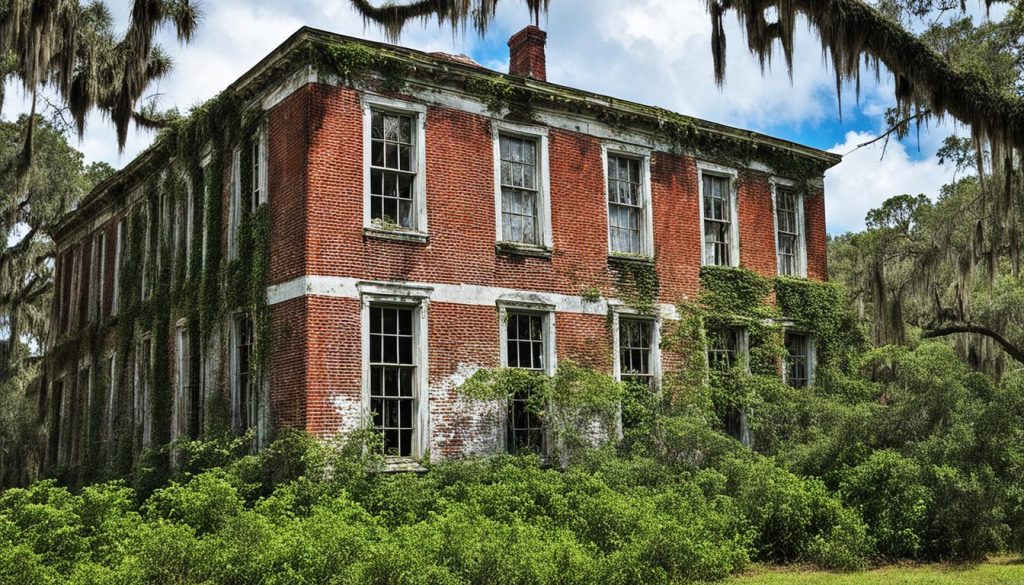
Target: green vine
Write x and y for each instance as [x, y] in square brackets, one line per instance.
[636, 282]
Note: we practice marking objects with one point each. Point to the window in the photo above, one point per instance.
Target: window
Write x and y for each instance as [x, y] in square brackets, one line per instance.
[526, 347]
[393, 377]
[245, 397]
[182, 398]
[145, 256]
[636, 351]
[718, 215]
[142, 389]
[99, 273]
[56, 415]
[724, 347]
[111, 394]
[522, 202]
[789, 231]
[392, 169]
[627, 205]
[79, 415]
[116, 297]
[395, 153]
[799, 360]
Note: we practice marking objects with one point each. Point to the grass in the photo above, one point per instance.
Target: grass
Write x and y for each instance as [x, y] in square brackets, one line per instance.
[996, 571]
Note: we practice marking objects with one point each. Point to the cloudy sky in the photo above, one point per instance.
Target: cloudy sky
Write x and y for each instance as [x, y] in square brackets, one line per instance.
[650, 51]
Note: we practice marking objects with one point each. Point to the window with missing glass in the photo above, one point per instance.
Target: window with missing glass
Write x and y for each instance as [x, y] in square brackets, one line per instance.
[244, 387]
[520, 197]
[393, 377]
[525, 348]
[798, 360]
[393, 169]
[636, 343]
[719, 231]
[789, 231]
[724, 347]
[626, 198]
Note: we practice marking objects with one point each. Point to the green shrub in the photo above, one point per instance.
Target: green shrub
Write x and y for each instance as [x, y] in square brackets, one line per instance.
[205, 503]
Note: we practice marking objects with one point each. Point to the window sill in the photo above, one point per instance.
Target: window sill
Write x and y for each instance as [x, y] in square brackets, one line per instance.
[402, 465]
[527, 250]
[396, 235]
[631, 259]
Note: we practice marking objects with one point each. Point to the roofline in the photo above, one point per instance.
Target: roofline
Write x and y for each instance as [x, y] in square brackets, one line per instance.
[307, 33]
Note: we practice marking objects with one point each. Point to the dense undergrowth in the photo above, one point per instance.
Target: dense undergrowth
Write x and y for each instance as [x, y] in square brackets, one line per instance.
[915, 458]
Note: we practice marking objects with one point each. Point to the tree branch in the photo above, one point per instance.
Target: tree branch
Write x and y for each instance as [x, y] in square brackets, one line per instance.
[1011, 349]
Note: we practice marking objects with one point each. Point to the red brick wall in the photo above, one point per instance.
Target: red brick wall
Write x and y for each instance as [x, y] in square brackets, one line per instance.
[287, 363]
[817, 242]
[287, 149]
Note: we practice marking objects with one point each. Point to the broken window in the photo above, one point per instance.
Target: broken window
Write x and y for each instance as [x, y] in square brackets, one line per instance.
[789, 235]
[520, 201]
[246, 404]
[626, 220]
[724, 347]
[718, 226]
[393, 377]
[525, 349]
[798, 361]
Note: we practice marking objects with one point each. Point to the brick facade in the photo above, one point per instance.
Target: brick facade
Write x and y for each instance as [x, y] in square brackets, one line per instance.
[322, 260]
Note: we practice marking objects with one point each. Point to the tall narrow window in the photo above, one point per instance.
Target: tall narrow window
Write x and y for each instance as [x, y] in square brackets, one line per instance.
[256, 180]
[636, 361]
[145, 255]
[184, 389]
[626, 220]
[520, 201]
[393, 377]
[143, 390]
[246, 399]
[393, 172]
[56, 422]
[525, 349]
[789, 237]
[100, 244]
[718, 225]
[111, 395]
[80, 420]
[116, 293]
[798, 361]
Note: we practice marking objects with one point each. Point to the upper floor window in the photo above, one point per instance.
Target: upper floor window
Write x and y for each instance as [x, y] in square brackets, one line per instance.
[395, 191]
[98, 277]
[718, 214]
[248, 184]
[116, 293]
[522, 200]
[527, 341]
[627, 205]
[789, 235]
[799, 359]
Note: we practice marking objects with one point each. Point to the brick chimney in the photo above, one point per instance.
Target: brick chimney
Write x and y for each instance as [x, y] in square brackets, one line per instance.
[526, 53]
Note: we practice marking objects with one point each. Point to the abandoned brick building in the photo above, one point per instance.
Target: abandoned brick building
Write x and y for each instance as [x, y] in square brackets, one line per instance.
[352, 228]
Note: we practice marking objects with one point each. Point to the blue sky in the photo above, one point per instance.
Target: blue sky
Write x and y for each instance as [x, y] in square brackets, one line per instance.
[651, 51]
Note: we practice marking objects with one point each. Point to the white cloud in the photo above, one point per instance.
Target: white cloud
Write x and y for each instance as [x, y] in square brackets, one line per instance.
[865, 179]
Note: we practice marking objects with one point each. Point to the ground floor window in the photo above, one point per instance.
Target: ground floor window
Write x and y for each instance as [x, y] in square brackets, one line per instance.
[142, 389]
[246, 403]
[525, 348]
[724, 347]
[393, 377]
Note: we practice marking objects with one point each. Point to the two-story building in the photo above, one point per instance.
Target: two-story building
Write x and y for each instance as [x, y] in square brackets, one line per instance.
[352, 228]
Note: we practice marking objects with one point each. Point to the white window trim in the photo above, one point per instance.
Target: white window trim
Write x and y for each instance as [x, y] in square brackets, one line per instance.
[111, 364]
[644, 155]
[801, 262]
[371, 102]
[179, 408]
[234, 218]
[118, 243]
[618, 311]
[733, 175]
[407, 297]
[264, 177]
[540, 134]
[812, 356]
[203, 166]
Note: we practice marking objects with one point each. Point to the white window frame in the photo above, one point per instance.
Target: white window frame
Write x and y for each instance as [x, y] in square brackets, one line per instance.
[812, 356]
[742, 352]
[642, 154]
[626, 312]
[406, 297]
[732, 174]
[207, 197]
[180, 409]
[143, 388]
[101, 271]
[118, 242]
[540, 135]
[234, 218]
[369, 103]
[261, 157]
[801, 261]
[111, 363]
[548, 317]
